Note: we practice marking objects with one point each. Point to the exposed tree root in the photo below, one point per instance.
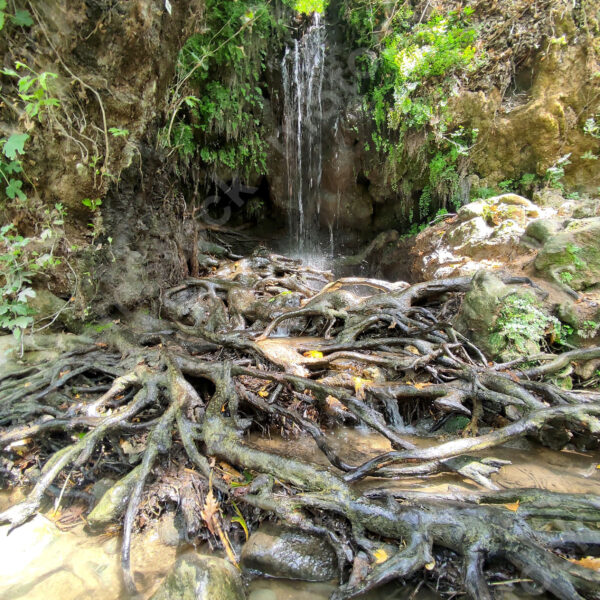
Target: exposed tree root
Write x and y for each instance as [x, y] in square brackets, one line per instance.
[203, 378]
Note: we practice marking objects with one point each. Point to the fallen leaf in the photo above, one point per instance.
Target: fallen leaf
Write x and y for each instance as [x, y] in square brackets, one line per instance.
[313, 354]
[380, 556]
[589, 562]
[429, 566]
[412, 350]
[359, 386]
[420, 385]
[263, 392]
[514, 506]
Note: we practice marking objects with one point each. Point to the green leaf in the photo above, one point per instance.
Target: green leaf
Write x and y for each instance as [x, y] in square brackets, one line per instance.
[15, 144]
[22, 18]
[14, 189]
[22, 322]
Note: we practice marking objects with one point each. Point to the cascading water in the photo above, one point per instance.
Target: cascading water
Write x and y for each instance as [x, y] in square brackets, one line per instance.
[302, 71]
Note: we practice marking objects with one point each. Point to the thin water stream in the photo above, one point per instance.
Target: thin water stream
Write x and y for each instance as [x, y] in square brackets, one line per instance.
[302, 69]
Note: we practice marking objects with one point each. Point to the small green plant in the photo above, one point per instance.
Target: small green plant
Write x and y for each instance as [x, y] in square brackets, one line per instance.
[12, 148]
[566, 277]
[116, 132]
[589, 155]
[522, 326]
[19, 262]
[588, 329]
[592, 127]
[92, 204]
[556, 172]
[33, 89]
[21, 18]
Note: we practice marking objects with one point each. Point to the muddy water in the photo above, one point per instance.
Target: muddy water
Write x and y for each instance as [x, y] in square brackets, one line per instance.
[40, 562]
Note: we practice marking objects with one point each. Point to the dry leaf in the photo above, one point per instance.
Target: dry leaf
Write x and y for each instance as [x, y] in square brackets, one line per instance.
[380, 556]
[313, 354]
[514, 506]
[359, 385]
[412, 350]
[263, 392]
[420, 386]
[589, 562]
[429, 566]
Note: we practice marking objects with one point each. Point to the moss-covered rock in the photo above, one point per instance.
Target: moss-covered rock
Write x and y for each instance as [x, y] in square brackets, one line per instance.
[572, 257]
[199, 577]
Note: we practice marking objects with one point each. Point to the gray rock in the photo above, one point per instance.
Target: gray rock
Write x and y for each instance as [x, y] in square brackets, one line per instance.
[573, 255]
[479, 308]
[541, 230]
[198, 577]
[290, 554]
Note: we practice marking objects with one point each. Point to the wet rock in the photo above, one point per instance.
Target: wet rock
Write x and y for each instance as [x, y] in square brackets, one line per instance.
[289, 553]
[197, 577]
[573, 255]
[169, 530]
[114, 502]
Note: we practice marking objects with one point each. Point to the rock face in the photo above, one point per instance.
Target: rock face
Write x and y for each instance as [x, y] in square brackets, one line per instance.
[572, 256]
[196, 577]
[290, 554]
[485, 234]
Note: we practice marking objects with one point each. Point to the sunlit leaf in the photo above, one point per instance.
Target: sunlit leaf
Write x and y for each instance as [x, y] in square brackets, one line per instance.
[380, 556]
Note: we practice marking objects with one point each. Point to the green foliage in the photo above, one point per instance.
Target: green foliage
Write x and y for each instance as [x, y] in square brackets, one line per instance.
[307, 7]
[116, 132]
[92, 204]
[19, 262]
[592, 127]
[589, 155]
[556, 172]
[522, 325]
[33, 89]
[221, 68]
[21, 18]
[11, 147]
[407, 75]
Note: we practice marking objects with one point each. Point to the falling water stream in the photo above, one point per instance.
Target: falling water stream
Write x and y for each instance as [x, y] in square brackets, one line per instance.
[302, 70]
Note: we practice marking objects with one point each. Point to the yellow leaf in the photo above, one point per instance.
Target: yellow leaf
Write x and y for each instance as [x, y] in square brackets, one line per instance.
[359, 385]
[420, 386]
[429, 566]
[313, 354]
[380, 556]
[263, 393]
[412, 350]
[514, 506]
[589, 562]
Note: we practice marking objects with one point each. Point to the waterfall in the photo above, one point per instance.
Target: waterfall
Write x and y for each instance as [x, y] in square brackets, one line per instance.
[302, 73]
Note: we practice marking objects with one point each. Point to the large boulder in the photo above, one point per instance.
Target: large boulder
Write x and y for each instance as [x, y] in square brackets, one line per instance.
[504, 322]
[199, 577]
[290, 554]
[479, 310]
[485, 234]
[572, 256]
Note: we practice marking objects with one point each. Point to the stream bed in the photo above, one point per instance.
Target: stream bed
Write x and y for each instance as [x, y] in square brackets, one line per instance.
[41, 562]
